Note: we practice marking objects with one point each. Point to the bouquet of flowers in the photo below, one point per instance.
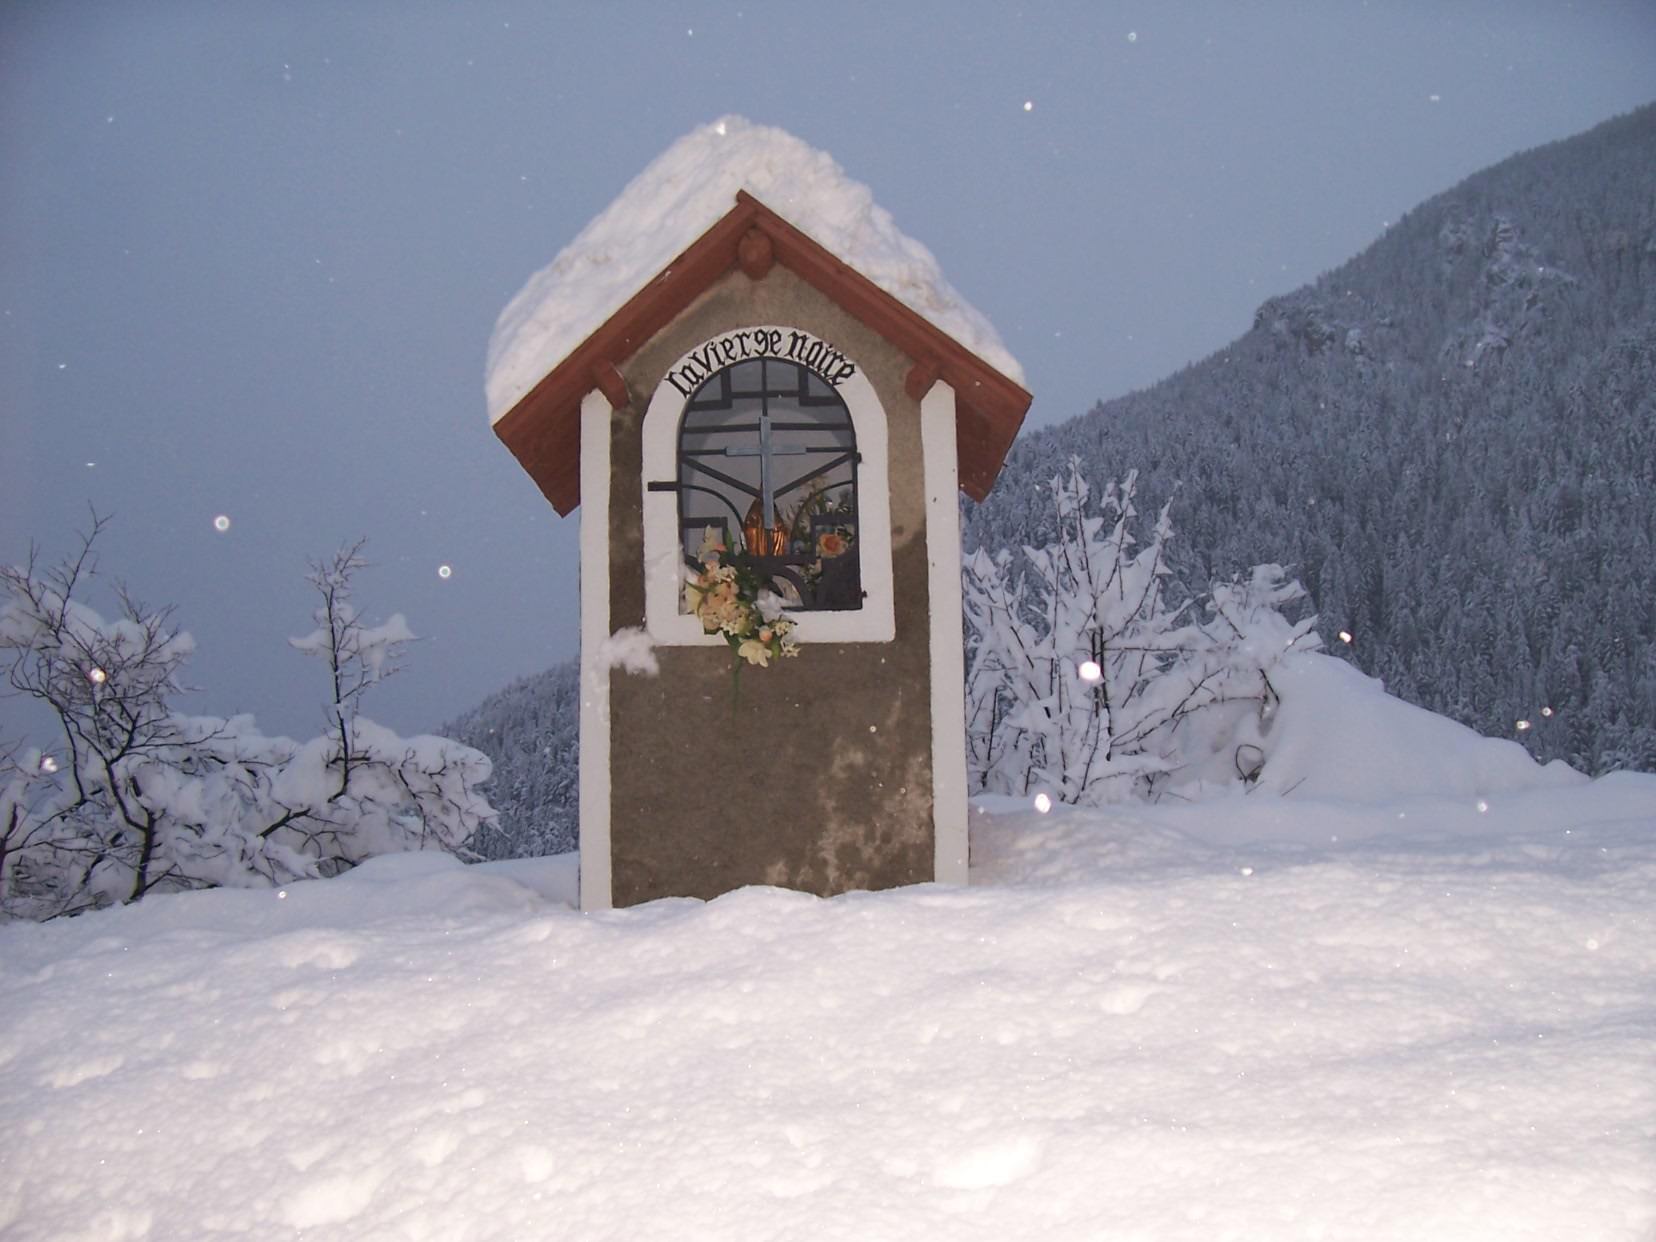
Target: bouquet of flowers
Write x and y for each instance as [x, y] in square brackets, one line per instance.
[733, 599]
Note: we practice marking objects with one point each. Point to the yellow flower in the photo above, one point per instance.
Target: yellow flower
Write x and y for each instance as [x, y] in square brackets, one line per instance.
[754, 652]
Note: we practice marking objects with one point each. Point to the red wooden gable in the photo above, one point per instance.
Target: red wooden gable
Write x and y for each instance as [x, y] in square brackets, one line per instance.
[543, 430]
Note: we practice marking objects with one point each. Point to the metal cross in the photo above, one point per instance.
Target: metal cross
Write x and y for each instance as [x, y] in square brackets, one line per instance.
[764, 452]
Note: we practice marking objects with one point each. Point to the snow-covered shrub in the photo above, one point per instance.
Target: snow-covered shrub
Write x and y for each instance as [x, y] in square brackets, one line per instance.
[145, 799]
[1089, 680]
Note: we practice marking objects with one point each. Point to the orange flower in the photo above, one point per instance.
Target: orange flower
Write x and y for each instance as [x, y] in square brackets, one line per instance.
[830, 543]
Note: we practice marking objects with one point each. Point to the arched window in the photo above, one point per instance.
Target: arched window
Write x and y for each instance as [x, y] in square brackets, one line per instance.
[767, 458]
[748, 434]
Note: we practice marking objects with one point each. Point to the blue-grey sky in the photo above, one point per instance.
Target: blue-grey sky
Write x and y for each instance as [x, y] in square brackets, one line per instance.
[251, 253]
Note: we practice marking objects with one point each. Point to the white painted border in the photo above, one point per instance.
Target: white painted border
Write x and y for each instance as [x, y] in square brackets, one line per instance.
[948, 656]
[594, 763]
[872, 623]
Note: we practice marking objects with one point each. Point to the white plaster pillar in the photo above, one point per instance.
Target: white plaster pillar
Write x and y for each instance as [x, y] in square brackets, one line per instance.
[948, 656]
[594, 766]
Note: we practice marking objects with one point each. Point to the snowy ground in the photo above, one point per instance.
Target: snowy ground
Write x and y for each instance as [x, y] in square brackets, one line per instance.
[1423, 1016]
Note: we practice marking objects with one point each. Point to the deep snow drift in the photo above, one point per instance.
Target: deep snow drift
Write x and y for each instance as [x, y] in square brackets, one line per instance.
[1405, 1013]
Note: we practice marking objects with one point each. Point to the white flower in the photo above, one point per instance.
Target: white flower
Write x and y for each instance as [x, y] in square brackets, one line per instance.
[710, 545]
[770, 605]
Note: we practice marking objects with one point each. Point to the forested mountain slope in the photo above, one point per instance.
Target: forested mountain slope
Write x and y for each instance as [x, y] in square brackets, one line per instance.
[1451, 439]
[531, 730]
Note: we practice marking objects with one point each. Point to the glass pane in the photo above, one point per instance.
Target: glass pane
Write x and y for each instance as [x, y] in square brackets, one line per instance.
[767, 456]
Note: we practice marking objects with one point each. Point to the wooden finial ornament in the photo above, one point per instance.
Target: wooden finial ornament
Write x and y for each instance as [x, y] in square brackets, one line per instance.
[755, 254]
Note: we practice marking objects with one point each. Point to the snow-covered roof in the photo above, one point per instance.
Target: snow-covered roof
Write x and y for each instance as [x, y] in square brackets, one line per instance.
[683, 193]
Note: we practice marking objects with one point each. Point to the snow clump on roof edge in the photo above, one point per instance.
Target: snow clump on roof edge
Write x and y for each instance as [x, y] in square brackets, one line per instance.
[683, 193]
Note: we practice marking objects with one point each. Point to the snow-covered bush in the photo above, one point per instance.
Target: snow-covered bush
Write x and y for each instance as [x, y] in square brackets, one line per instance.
[145, 799]
[1089, 681]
